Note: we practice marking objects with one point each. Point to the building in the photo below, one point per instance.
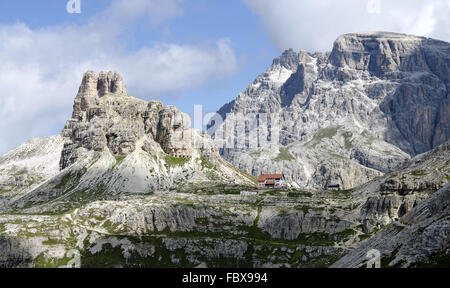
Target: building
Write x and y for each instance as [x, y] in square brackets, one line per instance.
[271, 181]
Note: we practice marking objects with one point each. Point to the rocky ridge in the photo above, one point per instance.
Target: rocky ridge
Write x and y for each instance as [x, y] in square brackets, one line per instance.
[400, 191]
[346, 116]
[128, 183]
[116, 144]
[214, 226]
[105, 117]
[420, 238]
[27, 166]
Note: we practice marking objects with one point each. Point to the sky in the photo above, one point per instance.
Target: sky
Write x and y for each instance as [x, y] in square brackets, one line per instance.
[182, 52]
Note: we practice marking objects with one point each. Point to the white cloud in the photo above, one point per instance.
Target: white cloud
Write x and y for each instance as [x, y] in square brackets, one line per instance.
[170, 68]
[42, 68]
[313, 25]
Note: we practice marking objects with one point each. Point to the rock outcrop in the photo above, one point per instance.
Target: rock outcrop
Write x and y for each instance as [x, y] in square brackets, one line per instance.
[376, 99]
[421, 238]
[27, 166]
[129, 183]
[70, 221]
[400, 191]
[105, 117]
[116, 144]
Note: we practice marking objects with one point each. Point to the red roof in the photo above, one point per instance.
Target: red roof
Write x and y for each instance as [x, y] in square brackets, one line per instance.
[264, 177]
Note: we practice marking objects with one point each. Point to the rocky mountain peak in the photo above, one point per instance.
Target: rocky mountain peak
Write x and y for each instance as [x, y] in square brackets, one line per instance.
[88, 87]
[136, 189]
[107, 82]
[288, 59]
[383, 53]
[373, 90]
[110, 83]
[105, 117]
[93, 87]
[108, 121]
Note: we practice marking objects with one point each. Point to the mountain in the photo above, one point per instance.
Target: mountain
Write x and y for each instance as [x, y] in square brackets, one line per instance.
[27, 166]
[291, 228]
[390, 197]
[344, 117]
[418, 239]
[408, 212]
[113, 145]
[129, 183]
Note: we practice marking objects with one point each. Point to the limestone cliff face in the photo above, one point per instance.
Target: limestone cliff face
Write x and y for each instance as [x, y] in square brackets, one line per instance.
[114, 144]
[376, 99]
[382, 54]
[174, 132]
[420, 238]
[105, 117]
[109, 82]
[398, 192]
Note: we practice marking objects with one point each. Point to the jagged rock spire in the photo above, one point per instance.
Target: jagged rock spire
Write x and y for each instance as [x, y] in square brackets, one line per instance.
[107, 82]
[104, 117]
[110, 83]
[88, 87]
[93, 87]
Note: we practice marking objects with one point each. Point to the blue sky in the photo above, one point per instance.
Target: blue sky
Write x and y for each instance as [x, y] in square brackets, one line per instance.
[199, 21]
[183, 52]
